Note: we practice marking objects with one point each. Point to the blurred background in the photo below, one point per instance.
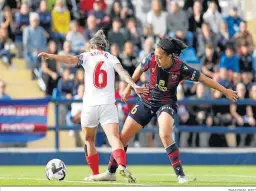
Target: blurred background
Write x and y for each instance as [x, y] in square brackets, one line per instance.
[220, 35]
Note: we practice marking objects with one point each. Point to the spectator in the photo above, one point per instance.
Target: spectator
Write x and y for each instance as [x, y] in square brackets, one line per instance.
[8, 23]
[134, 33]
[244, 37]
[157, 18]
[67, 52]
[127, 9]
[242, 116]
[142, 8]
[102, 20]
[3, 94]
[60, 20]
[202, 114]
[87, 5]
[13, 4]
[74, 116]
[114, 50]
[91, 29]
[222, 117]
[115, 35]
[34, 41]
[147, 49]
[213, 17]
[73, 6]
[50, 69]
[33, 4]
[196, 19]
[75, 38]
[6, 47]
[128, 59]
[177, 24]
[223, 38]
[189, 4]
[116, 9]
[246, 62]
[233, 21]
[230, 63]
[79, 80]
[22, 21]
[209, 61]
[253, 96]
[45, 18]
[205, 37]
[65, 85]
[148, 33]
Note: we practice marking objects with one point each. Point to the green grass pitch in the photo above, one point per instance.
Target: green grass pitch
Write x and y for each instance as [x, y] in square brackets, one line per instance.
[146, 176]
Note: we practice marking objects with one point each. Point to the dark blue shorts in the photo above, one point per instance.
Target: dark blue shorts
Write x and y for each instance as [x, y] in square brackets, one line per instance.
[142, 114]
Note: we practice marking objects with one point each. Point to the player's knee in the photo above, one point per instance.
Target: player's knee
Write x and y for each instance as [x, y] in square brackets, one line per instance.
[89, 140]
[165, 136]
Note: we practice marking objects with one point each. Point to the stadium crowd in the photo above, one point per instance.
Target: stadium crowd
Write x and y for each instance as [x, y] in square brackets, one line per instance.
[221, 41]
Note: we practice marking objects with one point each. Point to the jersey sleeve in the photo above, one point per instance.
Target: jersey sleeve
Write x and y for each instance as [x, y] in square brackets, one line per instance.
[82, 58]
[189, 73]
[145, 63]
[114, 60]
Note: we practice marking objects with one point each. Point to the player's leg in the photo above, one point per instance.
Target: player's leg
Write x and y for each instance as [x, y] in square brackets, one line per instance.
[139, 116]
[91, 154]
[118, 153]
[166, 121]
[89, 122]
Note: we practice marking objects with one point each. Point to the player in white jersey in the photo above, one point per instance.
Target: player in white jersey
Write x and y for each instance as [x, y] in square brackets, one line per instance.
[99, 100]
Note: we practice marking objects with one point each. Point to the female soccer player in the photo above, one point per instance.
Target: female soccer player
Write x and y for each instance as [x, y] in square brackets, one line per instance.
[166, 72]
[99, 101]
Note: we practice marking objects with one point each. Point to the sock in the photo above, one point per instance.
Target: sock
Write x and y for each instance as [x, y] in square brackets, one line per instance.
[93, 162]
[174, 156]
[112, 165]
[120, 157]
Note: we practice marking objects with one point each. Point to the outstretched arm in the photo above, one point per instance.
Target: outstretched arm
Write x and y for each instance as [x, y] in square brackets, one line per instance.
[131, 81]
[124, 75]
[59, 58]
[230, 94]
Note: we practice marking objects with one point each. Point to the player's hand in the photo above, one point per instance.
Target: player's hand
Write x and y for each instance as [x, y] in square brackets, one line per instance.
[232, 95]
[44, 55]
[141, 91]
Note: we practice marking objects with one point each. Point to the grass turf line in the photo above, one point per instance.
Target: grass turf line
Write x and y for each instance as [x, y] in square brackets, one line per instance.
[146, 176]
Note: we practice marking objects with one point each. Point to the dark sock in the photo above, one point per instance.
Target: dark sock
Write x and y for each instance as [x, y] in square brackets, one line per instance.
[112, 165]
[174, 156]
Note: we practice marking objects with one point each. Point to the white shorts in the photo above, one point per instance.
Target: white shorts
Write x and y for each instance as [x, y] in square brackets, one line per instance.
[104, 114]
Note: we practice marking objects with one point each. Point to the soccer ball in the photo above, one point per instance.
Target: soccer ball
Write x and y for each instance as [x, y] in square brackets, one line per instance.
[55, 170]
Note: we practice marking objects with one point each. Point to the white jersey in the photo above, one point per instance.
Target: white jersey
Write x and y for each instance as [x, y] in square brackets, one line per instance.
[99, 77]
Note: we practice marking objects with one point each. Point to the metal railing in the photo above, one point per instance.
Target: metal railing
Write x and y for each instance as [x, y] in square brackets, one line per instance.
[178, 128]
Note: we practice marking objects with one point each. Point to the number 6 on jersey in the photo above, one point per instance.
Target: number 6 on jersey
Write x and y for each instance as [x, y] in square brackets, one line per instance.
[100, 76]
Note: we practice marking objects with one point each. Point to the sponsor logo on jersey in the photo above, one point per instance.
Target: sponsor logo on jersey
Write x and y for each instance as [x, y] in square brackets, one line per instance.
[161, 85]
[185, 67]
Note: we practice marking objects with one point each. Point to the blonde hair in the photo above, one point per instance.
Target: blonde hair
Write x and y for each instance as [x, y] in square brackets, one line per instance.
[99, 40]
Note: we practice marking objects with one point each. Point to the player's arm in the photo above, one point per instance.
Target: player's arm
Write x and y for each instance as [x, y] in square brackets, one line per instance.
[60, 58]
[136, 76]
[131, 81]
[230, 94]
